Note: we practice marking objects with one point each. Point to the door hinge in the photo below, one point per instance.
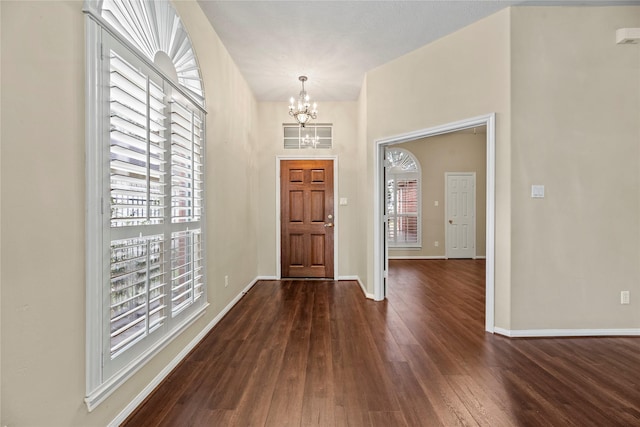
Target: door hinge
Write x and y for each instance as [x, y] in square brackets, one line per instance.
[102, 205]
[101, 52]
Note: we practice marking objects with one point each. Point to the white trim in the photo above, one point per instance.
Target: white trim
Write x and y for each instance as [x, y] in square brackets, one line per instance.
[265, 278]
[97, 396]
[379, 260]
[357, 279]
[93, 215]
[380, 255]
[427, 257]
[334, 158]
[553, 333]
[128, 410]
[417, 257]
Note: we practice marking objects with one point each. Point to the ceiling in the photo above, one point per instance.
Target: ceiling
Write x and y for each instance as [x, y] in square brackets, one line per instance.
[334, 43]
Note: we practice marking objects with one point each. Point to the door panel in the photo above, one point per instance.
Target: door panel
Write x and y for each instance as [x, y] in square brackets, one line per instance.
[461, 219]
[306, 211]
[296, 206]
[317, 249]
[317, 206]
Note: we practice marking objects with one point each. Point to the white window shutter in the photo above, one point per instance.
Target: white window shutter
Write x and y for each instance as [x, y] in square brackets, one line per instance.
[403, 199]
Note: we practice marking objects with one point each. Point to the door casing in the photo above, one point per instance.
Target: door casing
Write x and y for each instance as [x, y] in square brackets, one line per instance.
[379, 255]
[335, 211]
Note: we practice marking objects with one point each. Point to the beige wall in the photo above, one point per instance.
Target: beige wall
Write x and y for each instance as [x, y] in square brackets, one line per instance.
[42, 212]
[575, 129]
[463, 75]
[461, 151]
[344, 117]
[43, 208]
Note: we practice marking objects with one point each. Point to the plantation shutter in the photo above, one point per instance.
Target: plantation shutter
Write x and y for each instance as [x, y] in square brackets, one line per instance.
[406, 211]
[137, 281]
[186, 163]
[187, 271]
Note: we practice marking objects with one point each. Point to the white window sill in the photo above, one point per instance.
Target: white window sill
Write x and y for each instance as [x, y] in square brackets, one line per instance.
[97, 396]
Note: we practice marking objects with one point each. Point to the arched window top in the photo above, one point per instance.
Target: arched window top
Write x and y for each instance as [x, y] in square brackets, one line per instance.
[401, 161]
[154, 28]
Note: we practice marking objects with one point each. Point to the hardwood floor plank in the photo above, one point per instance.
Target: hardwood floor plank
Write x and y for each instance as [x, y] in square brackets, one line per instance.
[485, 410]
[317, 353]
[286, 402]
[413, 401]
[346, 347]
[386, 419]
[449, 408]
[318, 404]
[254, 405]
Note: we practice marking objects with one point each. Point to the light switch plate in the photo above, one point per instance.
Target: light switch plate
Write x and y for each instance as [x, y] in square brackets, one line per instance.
[537, 191]
[343, 201]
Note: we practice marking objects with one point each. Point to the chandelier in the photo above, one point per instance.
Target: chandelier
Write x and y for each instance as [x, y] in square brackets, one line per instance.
[303, 111]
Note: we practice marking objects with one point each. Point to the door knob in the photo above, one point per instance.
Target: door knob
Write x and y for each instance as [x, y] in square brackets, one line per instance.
[450, 221]
[329, 225]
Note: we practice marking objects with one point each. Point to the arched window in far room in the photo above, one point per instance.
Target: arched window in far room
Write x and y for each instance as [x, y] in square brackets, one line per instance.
[403, 199]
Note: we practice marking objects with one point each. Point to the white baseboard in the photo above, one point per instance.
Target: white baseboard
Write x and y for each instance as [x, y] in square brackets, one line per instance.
[128, 410]
[264, 278]
[552, 333]
[428, 257]
[417, 257]
[357, 279]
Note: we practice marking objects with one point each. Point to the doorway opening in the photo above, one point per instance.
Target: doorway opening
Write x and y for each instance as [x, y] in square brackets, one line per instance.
[381, 250]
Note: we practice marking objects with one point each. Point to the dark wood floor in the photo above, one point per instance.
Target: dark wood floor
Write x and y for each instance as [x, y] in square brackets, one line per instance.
[302, 353]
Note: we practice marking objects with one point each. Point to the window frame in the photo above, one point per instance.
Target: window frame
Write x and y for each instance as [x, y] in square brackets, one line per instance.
[104, 376]
[324, 142]
[396, 173]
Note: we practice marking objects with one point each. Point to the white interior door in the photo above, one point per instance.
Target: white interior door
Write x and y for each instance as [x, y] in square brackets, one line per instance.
[460, 216]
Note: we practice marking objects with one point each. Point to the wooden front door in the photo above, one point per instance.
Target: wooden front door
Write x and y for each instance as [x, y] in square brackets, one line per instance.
[306, 216]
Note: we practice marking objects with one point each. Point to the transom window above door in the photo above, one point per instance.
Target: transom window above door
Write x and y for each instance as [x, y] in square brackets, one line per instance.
[318, 135]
